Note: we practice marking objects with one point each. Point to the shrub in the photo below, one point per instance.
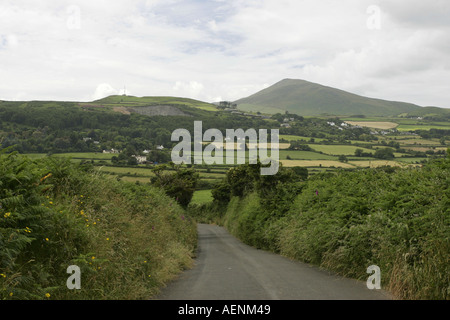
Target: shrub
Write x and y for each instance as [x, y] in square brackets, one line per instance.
[127, 239]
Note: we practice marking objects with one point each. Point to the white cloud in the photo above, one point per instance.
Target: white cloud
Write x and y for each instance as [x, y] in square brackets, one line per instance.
[103, 90]
[228, 49]
[192, 89]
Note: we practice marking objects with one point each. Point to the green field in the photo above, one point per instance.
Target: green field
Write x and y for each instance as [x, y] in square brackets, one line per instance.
[305, 155]
[145, 101]
[405, 124]
[325, 157]
[201, 196]
[338, 149]
[298, 138]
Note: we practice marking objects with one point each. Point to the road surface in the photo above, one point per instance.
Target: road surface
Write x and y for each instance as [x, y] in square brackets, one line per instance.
[227, 269]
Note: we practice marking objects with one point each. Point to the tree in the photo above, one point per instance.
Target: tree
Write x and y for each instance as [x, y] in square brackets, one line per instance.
[358, 152]
[385, 153]
[221, 192]
[179, 185]
[343, 158]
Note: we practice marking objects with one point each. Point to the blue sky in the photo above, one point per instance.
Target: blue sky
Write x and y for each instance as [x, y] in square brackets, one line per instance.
[223, 50]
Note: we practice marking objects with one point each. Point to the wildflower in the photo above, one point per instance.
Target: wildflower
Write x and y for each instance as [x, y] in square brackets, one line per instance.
[50, 202]
[107, 239]
[47, 295]
[46, 239]
[3, 275]
[46, 177]
[10, 294]
[6, 215]
[93, 258]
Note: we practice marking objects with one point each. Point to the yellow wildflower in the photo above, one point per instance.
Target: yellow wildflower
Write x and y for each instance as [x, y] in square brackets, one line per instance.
[47, 295]
[6, 215]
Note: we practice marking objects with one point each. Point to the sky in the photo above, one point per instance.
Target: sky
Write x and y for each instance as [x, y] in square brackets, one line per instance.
[214, 50]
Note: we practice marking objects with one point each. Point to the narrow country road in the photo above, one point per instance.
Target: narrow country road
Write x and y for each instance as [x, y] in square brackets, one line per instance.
[227, 269]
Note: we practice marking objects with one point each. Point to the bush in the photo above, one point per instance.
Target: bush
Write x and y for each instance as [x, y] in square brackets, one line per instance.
[398, 219]
[128, 240]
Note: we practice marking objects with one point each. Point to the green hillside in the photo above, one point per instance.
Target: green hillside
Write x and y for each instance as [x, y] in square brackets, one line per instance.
[311, 99]
[149, 101]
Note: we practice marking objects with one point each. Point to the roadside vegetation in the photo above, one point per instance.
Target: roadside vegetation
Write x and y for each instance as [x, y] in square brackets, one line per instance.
[128, 240]
[345, 221]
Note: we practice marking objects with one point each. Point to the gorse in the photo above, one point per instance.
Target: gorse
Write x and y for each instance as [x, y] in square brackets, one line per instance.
[127, 240]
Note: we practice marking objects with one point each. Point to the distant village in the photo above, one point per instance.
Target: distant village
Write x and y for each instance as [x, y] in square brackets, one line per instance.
[140, 159]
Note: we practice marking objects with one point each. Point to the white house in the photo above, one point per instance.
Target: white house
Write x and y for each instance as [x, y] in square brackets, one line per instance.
[111, 151]
[140, 159]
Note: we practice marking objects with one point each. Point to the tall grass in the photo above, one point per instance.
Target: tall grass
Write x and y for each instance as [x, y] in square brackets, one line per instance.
[128, 240]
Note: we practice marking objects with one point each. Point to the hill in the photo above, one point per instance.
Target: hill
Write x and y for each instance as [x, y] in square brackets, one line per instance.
[311, 99]
[126, 101]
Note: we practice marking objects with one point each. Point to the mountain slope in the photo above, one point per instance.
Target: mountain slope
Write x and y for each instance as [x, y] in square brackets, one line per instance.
[311, 99]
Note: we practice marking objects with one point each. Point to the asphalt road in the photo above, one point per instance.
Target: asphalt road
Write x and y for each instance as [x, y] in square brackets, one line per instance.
[227, 269]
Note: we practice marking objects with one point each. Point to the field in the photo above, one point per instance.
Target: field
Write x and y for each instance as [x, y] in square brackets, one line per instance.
[315, 163]
[375, 125]
[324, 157]
[201, 196]
[400, 124]
[338, 149]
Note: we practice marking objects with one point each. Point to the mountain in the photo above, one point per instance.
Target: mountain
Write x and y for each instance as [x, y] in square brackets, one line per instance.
[311, 99]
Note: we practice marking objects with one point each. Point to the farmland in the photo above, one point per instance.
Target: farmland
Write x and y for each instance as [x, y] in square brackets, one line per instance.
[321, 157]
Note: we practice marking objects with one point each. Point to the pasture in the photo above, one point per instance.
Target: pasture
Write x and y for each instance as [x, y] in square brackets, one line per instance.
[384, 125]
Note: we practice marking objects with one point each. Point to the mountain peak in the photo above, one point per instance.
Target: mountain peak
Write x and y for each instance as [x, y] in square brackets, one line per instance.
[312, 99]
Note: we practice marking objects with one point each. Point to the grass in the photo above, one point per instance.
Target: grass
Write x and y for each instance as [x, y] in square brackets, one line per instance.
[305, 155]
[76, 155]
[375, 125]
[315, 163]
[201, 196]
[130, 171]
[159, 100]
[297, 138]
[338, 149]
[377, 163]
[407, 127]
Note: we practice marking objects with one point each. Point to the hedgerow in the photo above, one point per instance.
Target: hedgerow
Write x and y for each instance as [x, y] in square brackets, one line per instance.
[127, 240]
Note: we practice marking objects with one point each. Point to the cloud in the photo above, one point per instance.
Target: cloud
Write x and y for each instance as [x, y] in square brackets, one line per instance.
[103, 90]
[191, 89]
[228, 49]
